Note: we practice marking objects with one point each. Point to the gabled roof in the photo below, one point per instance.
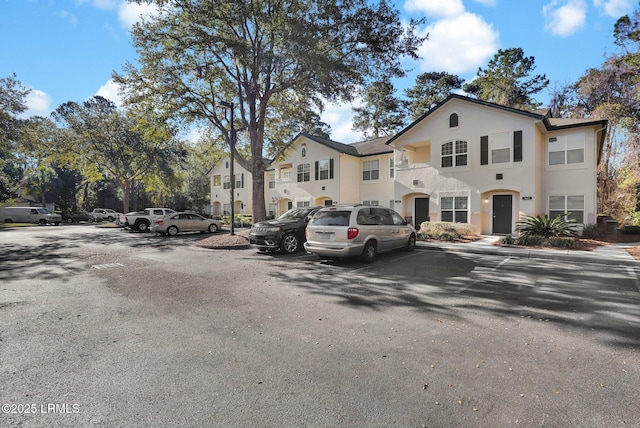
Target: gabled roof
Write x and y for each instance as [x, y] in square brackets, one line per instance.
[363, 148]
[542, 115]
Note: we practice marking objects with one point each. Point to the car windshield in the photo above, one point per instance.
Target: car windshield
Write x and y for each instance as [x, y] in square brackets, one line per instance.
[295, 214]
[331, 218]
[43, 211]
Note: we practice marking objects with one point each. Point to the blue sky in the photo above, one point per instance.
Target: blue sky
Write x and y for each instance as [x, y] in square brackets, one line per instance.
[66, 50]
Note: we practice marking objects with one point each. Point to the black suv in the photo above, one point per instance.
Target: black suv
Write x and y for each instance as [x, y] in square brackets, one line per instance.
[285, 233]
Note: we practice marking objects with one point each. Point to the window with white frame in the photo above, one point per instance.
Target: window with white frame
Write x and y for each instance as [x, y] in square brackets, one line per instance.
[566, 149]
[454, 209]
[501, 147]
[217, 181]
[323, 169]
[371, 203]
[573, 205]
[226, 184]
[392, 168]
[272, 180]
[370, 170]
[304, 172]
[302, 204]
[453, 153]
[285, 173]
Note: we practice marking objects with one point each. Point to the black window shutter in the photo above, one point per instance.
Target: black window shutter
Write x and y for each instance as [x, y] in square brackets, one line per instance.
[517, 146]
[316, 170]
[331, 168]
[242, 179]
[484, 150]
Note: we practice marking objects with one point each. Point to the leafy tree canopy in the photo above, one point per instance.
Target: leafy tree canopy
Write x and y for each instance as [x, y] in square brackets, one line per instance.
[431, 88]
[195, 53]
[507, 80]
[381, 113]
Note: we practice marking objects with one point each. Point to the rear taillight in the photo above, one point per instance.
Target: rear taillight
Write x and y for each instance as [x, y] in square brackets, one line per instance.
[306, 233]
[352, 232]
[160, 221]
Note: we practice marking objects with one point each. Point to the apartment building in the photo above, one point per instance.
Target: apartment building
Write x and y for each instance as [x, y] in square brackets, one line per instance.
[465, 160]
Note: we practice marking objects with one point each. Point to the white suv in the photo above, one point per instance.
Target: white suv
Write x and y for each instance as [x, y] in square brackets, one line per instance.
[358, 230]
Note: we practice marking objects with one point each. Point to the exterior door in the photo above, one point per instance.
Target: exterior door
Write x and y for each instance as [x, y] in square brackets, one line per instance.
[502, 212]
[421, 211]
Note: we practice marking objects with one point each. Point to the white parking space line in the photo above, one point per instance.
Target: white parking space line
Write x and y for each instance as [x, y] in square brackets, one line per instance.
[107, 265]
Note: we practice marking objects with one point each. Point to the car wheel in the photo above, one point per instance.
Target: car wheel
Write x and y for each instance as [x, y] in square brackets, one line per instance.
[143, 226]
[110, 218]
[90, 220]
[172, 231]
[69, 220]
[369, 252]
[411, 244]
[42, 222]
[213, 228]
[290, 243]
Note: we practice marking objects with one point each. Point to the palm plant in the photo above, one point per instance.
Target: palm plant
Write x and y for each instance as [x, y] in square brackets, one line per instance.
[559, 225]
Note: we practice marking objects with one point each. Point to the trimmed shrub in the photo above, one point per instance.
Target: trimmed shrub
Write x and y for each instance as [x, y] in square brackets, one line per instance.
[446, 231]
[530, 240]
[560, 242]
[509, 240]
[630, 230]
[593, 231]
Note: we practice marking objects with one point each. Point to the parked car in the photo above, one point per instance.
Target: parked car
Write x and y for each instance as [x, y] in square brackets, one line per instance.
[285, 233]
[105, 214]
[28, 215]
[358, 230]
[80, 217]
[173, 224]
[142, 220]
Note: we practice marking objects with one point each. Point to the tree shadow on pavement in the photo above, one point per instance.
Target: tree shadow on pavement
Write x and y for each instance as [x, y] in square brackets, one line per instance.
[589, 299]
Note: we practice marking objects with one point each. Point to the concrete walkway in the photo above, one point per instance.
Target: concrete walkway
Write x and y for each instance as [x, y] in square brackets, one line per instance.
[614, 254]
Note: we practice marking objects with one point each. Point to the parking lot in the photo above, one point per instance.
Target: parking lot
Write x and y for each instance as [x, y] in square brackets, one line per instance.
[131, 329]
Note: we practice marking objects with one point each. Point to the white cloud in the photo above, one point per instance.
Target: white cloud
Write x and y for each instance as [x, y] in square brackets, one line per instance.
[439, 8]
[487, 2]
[614, 8]
[566, 19]
[459, 44]
[110, 91]
[38, 104]
[130, 13]
[340, 118]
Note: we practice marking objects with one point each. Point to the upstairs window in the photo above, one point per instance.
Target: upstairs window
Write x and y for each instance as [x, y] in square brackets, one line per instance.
[453, 120]
[217, 181]
[324, 169]
[304, 172]
[453, 153]
[566, 149]
[370, 170]
[272, 180]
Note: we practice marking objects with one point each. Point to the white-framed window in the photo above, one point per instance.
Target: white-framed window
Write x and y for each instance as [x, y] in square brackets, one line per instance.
[453, 153]
[302, 204]
[567, 204]
[501, 147]
[304, 172]
[392, 168]
[285, 173]
[566, 149]
[371, 203]
[217, 181]
[370, 170]
[323, 169]
[272, 180]
[226, 184]
[454, 209]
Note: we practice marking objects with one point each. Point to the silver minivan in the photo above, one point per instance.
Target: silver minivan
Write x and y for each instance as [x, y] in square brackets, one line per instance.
[358, 230]
[28, 215]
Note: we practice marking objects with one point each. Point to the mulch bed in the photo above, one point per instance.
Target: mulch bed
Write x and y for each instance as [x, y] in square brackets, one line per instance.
[225, 241]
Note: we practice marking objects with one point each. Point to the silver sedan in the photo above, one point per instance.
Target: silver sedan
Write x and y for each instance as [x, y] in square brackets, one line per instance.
[173, 224]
